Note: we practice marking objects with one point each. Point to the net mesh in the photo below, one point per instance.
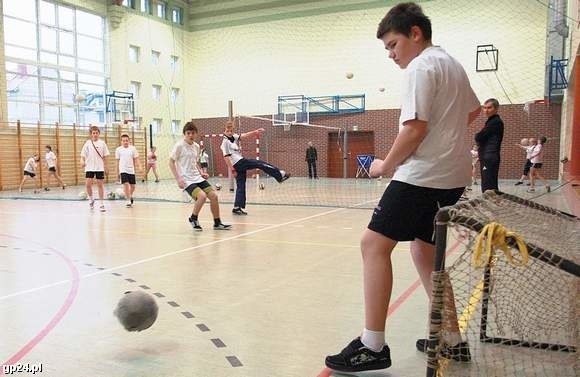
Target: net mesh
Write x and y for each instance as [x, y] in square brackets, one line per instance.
[518, 320]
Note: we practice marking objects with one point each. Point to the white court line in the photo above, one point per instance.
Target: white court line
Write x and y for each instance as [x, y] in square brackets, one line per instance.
[20, 293]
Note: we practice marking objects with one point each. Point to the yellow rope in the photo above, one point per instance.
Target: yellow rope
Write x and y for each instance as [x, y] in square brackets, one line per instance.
[494, 236]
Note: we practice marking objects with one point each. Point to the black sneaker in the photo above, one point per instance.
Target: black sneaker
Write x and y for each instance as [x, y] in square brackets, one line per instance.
[195, 225]
[518, 183]
[357, 358]
[285, 176]
[221, 226]
[459, 352]
[239, 211]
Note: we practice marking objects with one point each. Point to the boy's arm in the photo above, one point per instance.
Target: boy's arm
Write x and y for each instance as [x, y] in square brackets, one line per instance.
[255, 133]
[405, 144]
[173, 168]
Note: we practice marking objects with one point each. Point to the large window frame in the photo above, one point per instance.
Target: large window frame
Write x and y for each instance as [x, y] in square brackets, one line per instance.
[59, 70]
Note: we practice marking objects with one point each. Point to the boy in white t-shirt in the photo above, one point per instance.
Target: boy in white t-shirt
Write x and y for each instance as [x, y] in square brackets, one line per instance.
[50, 158]
[184, 164]
[30, 171]
[537, 160]
[527, 145]
[94, 159]
[127, 160]
[431, 159]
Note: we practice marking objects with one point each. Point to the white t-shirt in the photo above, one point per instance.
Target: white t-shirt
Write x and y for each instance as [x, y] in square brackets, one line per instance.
[436, 89]
[126, 158]
[50, 158]
[186, 156]
[30, 165]
[538, 152]
[94, 160]
[203, 157]
[529, 151]
[232, 149]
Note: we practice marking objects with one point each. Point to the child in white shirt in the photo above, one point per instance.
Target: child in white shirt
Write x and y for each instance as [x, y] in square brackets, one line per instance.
[94, 159]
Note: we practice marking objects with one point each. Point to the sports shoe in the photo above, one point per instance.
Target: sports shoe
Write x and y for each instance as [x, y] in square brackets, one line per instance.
[132, 201]
[92, 203]
[129, 205]
[102, 208]
[285, 176]
[531, 189]
[357, 358]
[459, 352]
[46, 189]
[239, 211]
[548, 188]
[63, 187]
[518, 183]
[195, 225]
[221, 226]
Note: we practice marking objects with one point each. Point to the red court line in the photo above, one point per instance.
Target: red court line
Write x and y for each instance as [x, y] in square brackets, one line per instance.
[327, 372]
[57, 317]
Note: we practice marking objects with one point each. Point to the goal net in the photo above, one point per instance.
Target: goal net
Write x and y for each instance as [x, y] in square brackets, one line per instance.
[511, 288]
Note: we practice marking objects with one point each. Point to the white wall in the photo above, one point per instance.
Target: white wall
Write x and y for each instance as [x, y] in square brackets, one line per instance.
[253, 64]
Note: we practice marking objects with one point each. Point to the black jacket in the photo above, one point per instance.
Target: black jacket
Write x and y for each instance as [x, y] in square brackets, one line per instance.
[490, 137]
[311, 154]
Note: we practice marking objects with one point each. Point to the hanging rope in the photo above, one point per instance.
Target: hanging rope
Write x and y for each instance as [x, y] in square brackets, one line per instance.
[493, 236]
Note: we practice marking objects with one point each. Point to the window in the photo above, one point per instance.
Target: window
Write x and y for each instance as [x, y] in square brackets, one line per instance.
[161, 7]
[156, 92]
[174, 63]
[155, 57]
[53, 52]
[146, 6]
[177, 15]
[176, 127]
[135, 88]
[128, 3]
[174, 95]
[156, 125]
[134, 52]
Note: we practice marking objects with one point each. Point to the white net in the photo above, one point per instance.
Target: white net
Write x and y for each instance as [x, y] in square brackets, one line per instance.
[520, 318]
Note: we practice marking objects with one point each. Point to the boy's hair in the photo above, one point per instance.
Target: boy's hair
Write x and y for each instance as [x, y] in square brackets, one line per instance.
[125, 135]
[48, 147]
[401, 18]
[230, 124]
[493, 102]
[189, 126]
[543, 139]
[94, 128]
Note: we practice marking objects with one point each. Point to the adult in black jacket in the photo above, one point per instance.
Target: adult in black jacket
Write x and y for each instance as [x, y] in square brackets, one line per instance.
[489, 140]
[311, 157]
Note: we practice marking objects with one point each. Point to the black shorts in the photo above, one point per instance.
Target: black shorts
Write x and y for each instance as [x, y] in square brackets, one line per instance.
[203, 164]
[128, 178]
[31, 175]
[527, 167]
[537, 165]
[52, 169]
[95, 174]
[407, 212]
[194, 189]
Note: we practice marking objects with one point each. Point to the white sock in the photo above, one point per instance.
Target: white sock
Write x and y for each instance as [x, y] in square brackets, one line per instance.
[375, 340]
[452, 338]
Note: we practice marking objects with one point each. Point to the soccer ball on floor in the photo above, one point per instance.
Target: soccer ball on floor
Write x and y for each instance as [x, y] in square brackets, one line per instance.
[120, 193]
[83, 195]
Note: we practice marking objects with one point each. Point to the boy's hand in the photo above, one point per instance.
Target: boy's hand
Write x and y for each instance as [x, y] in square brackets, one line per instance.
[234, 173]
[376, 168]
[204, 175]
[180, 183]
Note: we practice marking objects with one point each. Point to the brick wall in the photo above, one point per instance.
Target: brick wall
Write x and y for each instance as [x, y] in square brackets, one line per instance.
[287, 149]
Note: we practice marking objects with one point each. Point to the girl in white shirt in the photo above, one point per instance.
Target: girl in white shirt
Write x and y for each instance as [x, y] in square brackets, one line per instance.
[30, 171]
[537, 158]
[50, 158]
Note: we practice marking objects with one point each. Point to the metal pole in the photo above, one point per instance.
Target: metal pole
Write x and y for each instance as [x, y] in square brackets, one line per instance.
[38, 151]
[345, 153]
[231, 110]
[75, 161]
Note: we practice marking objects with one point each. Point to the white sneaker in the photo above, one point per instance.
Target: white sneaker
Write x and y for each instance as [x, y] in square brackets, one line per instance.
[92, 203]
[102, 208]
[129, 204]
